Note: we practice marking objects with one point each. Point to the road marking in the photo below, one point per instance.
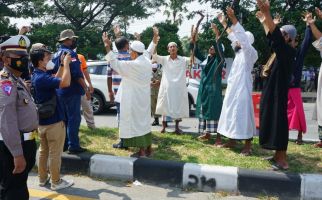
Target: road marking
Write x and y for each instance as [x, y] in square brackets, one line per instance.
[55, 195]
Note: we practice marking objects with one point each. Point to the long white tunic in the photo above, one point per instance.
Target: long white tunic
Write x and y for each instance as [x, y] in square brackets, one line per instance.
[135, 113]
[173, 94]
[237, 115]
[318, 45]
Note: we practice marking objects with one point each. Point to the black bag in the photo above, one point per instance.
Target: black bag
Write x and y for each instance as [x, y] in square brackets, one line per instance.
[48, 108]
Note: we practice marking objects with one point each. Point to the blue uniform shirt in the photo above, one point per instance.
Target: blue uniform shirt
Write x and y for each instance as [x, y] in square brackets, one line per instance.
[45, 86]
[75, 71]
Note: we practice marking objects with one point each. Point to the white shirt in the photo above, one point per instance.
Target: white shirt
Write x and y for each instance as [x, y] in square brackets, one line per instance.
[135, 113]
[173, 94]
[237, 115]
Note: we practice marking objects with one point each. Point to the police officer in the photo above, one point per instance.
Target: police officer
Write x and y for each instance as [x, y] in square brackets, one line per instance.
[71, 96]
[18, 120]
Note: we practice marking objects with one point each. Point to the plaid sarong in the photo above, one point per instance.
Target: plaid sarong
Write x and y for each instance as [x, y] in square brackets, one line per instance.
[207, 126]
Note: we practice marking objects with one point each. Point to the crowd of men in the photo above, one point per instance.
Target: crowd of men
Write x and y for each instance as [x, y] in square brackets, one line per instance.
[49, 103]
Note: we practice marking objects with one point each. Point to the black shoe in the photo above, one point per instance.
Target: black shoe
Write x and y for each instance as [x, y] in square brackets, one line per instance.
[76, 151]
[119, 146]
[155, 123]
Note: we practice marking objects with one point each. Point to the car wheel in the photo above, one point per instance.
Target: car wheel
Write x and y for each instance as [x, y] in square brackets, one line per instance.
[97, 103]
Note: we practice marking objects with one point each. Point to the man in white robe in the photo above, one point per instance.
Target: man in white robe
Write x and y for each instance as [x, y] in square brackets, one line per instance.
[173, 94]
[135, 112]
[237, 120]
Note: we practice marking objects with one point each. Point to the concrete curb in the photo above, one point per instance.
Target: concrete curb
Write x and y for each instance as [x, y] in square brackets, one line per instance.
[202, 177]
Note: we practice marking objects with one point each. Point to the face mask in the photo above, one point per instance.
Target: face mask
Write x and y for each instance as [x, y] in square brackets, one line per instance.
[50, 65]
[20, 64]
[74, 44]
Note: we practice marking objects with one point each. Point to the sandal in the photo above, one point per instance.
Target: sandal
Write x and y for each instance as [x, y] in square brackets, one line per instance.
[318, 145]
[299, 142]
[205, 136]
[278, 167]
[178, 132]
[246, 152]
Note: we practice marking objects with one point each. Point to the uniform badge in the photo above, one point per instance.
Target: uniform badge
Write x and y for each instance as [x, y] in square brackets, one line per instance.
[73, 59]
[26, 101]
[6, 87]
[4, 74]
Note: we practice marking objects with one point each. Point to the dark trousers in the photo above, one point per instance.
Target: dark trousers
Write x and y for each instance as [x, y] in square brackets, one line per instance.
[73, 119]
[14, 186]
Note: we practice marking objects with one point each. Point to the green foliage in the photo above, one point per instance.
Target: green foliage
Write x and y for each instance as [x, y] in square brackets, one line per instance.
[21, 8]
[175, 10]
[89, 42]
[291, 14]
[98, 13]
[168, 33]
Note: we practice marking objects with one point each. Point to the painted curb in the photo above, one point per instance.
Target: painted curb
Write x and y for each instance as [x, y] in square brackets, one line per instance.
[311, 187]
[104, 166]
[158, 171]
[284, 185]
[210, 178]
[202, 177]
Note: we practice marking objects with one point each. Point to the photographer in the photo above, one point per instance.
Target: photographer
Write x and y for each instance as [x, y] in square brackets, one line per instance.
[51, 116]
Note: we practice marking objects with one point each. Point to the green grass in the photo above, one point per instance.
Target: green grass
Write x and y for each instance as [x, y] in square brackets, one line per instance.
[186, 148]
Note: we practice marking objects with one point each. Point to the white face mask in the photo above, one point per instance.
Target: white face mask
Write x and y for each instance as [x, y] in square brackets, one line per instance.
[50, 65]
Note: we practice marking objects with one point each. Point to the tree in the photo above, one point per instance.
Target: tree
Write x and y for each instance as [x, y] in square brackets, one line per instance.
[89, 41]
[98, 13]
[15, 8]
[168, 33]
[21, 8]
[175, 9]
[290, 10]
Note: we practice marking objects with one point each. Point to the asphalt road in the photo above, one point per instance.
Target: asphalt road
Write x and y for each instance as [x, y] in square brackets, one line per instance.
[88, 189]
[190, 125]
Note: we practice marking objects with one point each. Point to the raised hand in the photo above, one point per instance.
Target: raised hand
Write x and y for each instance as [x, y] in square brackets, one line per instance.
[230, 12]
[318, 12]
[156, 36]
[277, 19]
[137, 36]
[67, 59]
[222, 19]
[117, 30]
[264, 6]
[308, 18]
[107, 42]
[231, 15]
[215, 29]
[24, 30]
[260, 16]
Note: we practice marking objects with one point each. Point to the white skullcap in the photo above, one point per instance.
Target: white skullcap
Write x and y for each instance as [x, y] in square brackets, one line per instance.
[137, 46]
[172, 43]
[154, 65]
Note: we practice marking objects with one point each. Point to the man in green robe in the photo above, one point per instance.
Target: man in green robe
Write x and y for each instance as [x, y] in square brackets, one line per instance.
[209, 101]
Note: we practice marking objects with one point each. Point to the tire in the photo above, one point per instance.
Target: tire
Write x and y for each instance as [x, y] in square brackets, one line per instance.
[97, 103]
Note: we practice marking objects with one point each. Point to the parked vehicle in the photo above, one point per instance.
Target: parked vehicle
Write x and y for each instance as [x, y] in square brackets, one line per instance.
[98, 74]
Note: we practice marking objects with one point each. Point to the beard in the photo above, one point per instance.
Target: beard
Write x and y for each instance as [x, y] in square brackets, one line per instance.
[237, 48]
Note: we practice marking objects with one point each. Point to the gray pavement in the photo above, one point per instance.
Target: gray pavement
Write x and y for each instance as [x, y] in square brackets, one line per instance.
[87, 189]
[190, 125]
